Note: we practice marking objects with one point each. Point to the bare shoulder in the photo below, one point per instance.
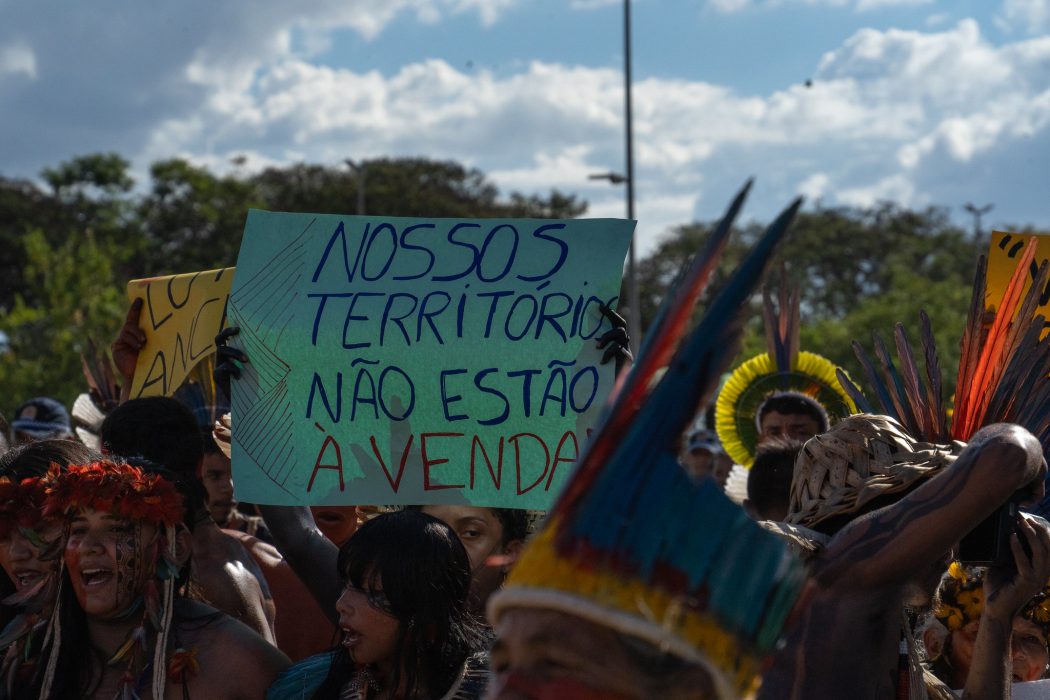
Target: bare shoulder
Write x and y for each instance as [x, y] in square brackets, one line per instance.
[234, 661]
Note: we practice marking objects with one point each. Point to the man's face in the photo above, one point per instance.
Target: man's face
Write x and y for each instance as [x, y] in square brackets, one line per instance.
[550, 655]
[218, 482]
[798, 426]
[482, 535]
[698, 462]
[109, 560]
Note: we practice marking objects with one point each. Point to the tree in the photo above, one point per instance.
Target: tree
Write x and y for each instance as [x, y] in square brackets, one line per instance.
[89, 194]
[860, 270]
[75, 298]
[193, 219]
[404, 187]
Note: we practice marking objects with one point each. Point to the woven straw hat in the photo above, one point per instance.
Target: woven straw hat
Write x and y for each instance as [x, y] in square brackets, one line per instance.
[860, 459]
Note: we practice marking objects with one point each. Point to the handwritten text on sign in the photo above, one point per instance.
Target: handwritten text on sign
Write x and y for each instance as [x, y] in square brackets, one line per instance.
[181, 314]
[399, 360]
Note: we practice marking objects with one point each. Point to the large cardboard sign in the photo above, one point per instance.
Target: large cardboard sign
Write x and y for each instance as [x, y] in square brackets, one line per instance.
[401, 360]
[181, 314]
[1003, 253]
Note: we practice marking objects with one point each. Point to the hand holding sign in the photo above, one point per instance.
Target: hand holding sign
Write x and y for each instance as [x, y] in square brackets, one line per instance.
[171, 326]
[128, 344]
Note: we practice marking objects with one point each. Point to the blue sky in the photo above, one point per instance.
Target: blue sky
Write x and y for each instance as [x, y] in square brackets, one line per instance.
[914, 101]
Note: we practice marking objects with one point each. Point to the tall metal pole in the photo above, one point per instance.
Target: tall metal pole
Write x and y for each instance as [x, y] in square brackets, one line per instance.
[634, 317]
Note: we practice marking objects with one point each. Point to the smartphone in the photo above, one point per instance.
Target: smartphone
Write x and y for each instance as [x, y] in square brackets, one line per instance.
[988, 544]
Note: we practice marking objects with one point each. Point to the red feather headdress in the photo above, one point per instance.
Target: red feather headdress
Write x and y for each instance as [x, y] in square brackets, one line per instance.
[121, 489]
[21, 504]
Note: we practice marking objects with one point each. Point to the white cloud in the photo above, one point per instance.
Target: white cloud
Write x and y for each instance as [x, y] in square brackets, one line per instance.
[867, 5]
[592, 4]
[1031, 16]
[18, 59]
[814, 186]
[909, 115]
[893, 188]
[731, 6]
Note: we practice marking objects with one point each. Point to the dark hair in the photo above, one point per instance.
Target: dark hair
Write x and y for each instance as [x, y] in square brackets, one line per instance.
[35, 458]
[769, 479]
[515, 524]
[157, 428]
[424, 572]
[790, 404]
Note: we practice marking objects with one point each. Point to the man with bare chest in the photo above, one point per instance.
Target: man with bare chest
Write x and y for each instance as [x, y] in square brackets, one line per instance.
[889, 510]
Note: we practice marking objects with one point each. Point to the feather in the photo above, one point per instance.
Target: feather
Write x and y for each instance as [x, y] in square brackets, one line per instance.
[933, 376]
[915, 389]
[881, 391]
[863, 405]
[19, 598]
[970, 344]
[971, 411]
[782, 323]
[691, 376]
[18, 627]
[896, 386]
[658, 348]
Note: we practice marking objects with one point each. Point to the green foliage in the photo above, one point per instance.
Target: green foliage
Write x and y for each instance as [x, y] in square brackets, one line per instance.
[67, 252]
[860, 271]
[193, 219]
[77, 298]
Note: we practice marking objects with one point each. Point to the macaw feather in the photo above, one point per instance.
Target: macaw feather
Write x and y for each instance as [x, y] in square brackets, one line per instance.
[663, 339]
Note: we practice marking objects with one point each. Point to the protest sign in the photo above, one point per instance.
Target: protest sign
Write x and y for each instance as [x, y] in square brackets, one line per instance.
[181, 314]
[399, 360]
[1003, 252]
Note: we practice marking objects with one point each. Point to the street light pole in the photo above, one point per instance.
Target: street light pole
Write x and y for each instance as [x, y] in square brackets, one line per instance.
[634, 317]
[359, 170]
[977, 213]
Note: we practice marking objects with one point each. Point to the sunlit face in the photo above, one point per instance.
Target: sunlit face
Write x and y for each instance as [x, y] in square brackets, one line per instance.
[1027, 646]
[218, 482]
[337, 523]
[20, 554]
[481, 533]
[369, 629]
[797, 426]
[109, 560]
[550, 655]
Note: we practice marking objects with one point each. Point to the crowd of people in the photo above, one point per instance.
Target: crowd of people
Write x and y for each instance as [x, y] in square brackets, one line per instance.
[796, 545]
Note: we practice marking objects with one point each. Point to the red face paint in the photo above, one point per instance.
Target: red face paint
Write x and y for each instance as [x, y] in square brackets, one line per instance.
[525, 687]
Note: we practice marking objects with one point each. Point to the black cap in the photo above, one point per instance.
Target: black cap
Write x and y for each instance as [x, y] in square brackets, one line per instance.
[42, 418]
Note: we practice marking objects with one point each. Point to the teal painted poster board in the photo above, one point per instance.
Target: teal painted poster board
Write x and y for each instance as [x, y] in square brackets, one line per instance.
[417, 361]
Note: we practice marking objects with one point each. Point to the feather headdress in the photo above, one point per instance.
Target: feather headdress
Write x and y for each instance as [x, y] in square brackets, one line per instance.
[633, 543]
[783, 369]
[132, 493]
[1004, 370]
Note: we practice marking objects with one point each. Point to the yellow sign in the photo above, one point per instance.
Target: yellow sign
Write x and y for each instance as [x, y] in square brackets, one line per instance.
[1003, 253]
[181, 314]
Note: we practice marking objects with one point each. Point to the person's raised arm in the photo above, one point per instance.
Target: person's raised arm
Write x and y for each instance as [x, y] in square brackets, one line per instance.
[1006, 591]
[126, 347]
[311, 555]
[895, 543]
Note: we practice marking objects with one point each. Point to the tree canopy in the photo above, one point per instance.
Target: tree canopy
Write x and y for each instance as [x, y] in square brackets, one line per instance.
[859, 271]
[69, 244]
